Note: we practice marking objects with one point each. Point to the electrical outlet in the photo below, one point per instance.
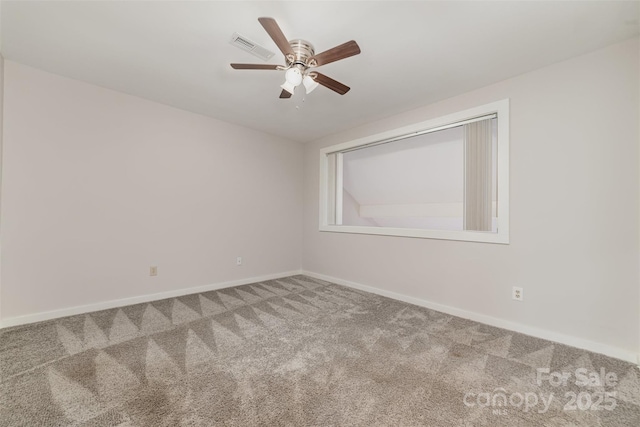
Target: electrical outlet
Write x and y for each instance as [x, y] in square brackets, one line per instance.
[517, 293]
[153, 271]
[239, 260]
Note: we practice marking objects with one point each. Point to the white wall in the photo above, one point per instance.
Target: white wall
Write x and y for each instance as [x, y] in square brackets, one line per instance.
[574, 211]
[98, 186]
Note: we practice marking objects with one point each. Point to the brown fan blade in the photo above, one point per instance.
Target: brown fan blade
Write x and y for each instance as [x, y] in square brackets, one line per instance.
[271, 27]
[285, 94]
[254, 66]
[337, 53]
[328, 82]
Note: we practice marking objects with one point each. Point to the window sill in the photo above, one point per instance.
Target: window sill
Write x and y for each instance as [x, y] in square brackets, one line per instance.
[501, 237]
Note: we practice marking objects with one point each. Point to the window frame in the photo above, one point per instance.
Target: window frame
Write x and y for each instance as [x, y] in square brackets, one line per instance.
[500, 108]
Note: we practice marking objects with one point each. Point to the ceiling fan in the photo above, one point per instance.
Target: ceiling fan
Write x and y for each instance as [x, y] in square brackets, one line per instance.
[300, 58]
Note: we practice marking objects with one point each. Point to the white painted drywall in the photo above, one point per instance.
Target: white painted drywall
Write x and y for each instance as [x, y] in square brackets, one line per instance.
[574, 209]
[98, 186]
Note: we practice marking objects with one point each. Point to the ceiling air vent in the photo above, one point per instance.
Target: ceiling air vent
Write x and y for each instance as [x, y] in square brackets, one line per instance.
[253, 48]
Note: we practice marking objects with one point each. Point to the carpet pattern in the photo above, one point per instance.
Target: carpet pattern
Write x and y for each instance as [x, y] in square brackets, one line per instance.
[300, 352]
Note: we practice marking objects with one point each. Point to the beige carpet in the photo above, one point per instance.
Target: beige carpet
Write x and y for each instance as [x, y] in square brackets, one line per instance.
[299, 352]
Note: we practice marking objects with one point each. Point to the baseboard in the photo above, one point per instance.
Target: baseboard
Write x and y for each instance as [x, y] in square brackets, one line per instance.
[595, 347]
[489, 320]
[71, 311]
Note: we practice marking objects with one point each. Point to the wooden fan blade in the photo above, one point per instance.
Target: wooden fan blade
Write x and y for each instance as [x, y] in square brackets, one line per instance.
[337, 53]
[285, 94]
[254, 66]
[271, 27]
[328, 82]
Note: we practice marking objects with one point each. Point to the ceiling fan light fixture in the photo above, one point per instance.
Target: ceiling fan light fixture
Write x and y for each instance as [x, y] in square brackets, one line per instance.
[309, 84]
[293, 76]
[288, 87]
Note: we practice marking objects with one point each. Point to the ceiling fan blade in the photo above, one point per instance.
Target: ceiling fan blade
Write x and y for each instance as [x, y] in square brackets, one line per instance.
[254, 66]
[337, 53]
[271, 27]
[328, 82]
[285, 94]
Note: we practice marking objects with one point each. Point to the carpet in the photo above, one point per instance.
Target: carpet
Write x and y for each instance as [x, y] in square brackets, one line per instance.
[299, 351]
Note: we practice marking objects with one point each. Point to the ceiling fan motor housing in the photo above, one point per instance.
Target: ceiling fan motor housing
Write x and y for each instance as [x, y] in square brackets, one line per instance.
[303, 50]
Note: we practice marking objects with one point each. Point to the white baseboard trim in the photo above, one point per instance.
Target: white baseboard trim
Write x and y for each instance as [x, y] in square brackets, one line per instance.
[71, 311]
[581, 343]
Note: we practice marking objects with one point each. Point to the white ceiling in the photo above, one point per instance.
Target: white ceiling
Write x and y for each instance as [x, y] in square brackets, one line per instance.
[413, 53]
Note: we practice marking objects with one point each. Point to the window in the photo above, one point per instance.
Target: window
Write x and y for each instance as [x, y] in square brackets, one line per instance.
[446, 178]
